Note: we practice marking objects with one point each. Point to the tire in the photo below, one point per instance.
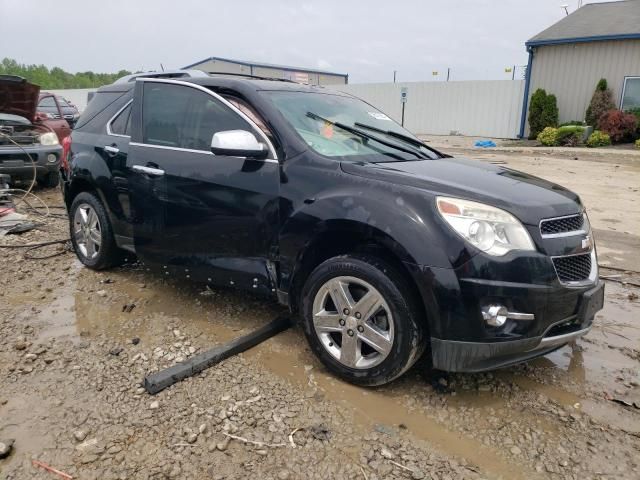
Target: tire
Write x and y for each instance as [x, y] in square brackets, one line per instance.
[50, 180]
[91, 233]
[393, 322]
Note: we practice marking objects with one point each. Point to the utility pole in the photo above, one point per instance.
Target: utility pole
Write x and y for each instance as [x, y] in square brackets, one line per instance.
[513, 73]
[448, 73]
[394, 76]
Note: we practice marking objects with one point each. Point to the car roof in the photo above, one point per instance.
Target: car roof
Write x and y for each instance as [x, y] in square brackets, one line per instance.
[230, 81]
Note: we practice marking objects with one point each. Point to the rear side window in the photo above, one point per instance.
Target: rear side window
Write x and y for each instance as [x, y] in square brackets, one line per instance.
[120, 124]
[183, 117]
[97, 104]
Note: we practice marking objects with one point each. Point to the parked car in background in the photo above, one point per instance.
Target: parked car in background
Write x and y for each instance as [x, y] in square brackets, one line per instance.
[51, 114]
[27, 146]
[69, 111]
[384, 247]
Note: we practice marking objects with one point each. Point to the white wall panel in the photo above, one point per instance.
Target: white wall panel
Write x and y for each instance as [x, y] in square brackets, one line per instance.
[474, 108]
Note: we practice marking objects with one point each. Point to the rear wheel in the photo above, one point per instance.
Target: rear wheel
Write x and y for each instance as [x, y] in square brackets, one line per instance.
[361, 320]
[91, 233]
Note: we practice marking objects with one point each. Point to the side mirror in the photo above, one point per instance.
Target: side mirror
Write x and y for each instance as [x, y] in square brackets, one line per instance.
[238, 143]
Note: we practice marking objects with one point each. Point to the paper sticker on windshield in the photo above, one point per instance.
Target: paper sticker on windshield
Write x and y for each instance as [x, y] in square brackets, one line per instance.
[379, 116]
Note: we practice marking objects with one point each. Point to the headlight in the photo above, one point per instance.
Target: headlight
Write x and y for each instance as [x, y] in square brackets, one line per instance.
[49, 138]
[490, 229]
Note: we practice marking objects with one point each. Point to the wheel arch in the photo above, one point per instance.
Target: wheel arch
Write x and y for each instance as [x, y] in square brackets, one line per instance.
[342, 237]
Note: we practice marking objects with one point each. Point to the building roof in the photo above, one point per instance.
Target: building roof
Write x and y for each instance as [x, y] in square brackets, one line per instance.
[265, 65]
[594, 22]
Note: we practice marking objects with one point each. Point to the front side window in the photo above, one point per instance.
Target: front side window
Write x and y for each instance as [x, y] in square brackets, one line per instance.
[182, 117]
[370, 134]
[631, 94]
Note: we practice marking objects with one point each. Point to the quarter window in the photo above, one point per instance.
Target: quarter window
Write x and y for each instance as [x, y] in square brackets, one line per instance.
[120, 124]
[183, 117]
[631, 93]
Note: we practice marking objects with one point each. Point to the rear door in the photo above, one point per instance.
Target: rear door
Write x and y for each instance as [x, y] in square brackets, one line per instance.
[196, 214]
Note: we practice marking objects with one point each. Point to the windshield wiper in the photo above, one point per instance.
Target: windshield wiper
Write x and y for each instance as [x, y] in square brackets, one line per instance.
[366, 135]
[400, 136]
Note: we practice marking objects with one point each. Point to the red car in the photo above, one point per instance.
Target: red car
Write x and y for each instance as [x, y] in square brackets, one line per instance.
[52, 114]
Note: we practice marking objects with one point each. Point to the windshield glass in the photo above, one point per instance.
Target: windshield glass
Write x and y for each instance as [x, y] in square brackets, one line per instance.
[337, 126]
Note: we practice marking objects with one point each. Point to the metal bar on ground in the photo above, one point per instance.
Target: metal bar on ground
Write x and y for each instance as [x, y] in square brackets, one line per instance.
[156, 382]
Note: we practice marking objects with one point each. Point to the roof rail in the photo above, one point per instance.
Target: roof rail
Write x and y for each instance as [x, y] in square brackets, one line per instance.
[166, 74]
[256, 77]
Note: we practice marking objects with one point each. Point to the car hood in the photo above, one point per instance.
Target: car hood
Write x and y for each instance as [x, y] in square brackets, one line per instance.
[18, 97]
[527, 197]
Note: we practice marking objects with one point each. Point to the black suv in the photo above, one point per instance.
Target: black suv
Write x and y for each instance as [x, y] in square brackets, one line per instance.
[386, 248]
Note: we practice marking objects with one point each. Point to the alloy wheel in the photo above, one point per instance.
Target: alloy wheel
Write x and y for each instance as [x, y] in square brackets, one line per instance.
[353, 322]
[87, 231]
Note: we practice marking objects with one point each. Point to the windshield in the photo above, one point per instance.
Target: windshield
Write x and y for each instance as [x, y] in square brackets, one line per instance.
[346, 127]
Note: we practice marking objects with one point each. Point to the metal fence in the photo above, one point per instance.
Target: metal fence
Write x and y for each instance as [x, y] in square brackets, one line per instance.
[489, 108]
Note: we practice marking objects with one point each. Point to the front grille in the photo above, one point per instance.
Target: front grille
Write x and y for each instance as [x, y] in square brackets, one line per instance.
[17, 159]
[562, 225]
[574, 268]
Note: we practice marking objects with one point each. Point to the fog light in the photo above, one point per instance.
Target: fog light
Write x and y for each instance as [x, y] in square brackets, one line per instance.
[51, 158]
[495, 315]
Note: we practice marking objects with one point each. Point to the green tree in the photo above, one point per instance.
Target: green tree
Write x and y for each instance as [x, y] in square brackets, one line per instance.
[57, 78]
[543, 112]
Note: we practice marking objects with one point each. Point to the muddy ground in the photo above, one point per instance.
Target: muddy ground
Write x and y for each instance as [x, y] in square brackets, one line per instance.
[75, 345]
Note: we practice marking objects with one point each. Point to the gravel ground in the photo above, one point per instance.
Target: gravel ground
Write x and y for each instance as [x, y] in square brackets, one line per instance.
[77, 343]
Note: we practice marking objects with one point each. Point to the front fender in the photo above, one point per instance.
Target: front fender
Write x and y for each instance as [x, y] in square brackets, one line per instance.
[398, 219]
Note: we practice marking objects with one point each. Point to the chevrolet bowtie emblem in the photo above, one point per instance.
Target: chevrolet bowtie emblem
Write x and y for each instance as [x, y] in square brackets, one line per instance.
[587, 243]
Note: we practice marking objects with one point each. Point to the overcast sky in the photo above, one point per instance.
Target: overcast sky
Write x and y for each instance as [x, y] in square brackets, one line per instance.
[367, 39]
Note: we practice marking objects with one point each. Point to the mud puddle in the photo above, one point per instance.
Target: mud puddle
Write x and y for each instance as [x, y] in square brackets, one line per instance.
[97, 305]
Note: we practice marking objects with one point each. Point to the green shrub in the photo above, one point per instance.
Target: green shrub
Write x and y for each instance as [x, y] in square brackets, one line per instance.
[548, 136]
[638, 144]
[602, 85]
[572, 122]
[571, 129]
[598, 139]
[543, 112]
[601, 102]
[569, 135]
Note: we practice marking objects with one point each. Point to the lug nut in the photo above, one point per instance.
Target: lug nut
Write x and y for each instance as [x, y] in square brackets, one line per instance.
[341, 322]
[358, 315]
[350, 332]
[346, 311]
[360, 328]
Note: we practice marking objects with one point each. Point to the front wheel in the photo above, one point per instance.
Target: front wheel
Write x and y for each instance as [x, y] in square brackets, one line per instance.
[361, 319]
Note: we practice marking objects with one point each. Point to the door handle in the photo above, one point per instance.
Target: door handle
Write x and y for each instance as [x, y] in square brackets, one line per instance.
[111, 150]
[154, 172]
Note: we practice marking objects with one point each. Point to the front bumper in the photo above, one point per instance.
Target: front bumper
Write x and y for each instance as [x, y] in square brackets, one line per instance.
[548, 313]
[14, 161]
[465, 356]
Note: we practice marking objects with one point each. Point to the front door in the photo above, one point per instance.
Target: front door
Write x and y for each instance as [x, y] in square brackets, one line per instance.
[199, 215]
[49, 106]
